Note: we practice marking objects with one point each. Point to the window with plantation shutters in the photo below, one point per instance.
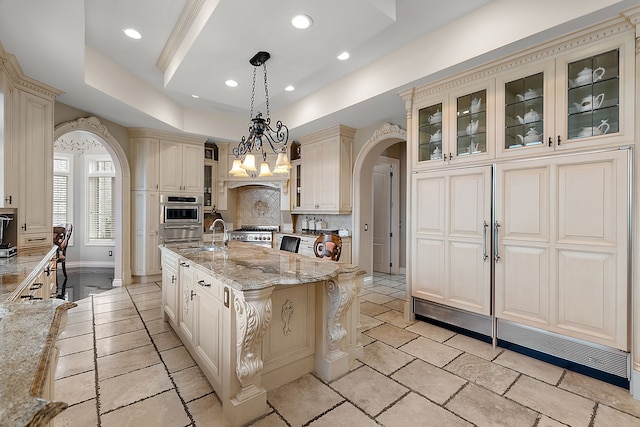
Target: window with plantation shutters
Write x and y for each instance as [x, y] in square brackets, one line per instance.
[101, 200]
[62, 189]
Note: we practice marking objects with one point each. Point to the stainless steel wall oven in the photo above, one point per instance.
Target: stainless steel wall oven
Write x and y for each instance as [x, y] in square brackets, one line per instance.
[180, 218]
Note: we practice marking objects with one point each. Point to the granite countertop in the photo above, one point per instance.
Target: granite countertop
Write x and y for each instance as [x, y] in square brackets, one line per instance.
[14, 270]
[244, 266]
[28, 331]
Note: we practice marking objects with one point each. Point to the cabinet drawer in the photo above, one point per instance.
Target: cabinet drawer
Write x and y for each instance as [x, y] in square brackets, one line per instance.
[210, 285]
[35, 240]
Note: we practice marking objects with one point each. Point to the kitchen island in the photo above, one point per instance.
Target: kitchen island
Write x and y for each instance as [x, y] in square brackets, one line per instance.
[30, 322]
[220, 302]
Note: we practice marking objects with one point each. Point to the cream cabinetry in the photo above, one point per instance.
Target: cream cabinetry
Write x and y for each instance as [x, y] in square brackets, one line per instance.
[170, 291]
[572, 99]
[550, 270]
[210, 185]
[182, 167]
[325, 173]
[577, 100]
[561, 247]
[8, 148]
[145, 252]
[26, 152]
[146, 171]
[186, 284]
[450, 246]
[160, 161]
[35, 171]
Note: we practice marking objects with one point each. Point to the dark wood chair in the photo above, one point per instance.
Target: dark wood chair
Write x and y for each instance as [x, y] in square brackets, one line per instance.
[290, 243]
[61, 236]
[328, 246]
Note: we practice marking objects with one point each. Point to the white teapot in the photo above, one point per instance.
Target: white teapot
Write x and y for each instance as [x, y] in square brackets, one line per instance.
[436, 136]
[531, 136]
[472, 127]
[531, 116]
[587, 76]
[589, 103]
[529, 94]
[601, 129]
[437, 154]
[435, 117]
[475, 105]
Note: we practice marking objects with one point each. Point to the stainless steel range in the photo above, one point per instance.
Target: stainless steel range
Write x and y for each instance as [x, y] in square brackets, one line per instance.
[257, 234]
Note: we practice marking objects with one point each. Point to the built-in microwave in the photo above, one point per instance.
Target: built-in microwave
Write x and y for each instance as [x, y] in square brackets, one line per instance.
[180, 218]
[181, 209]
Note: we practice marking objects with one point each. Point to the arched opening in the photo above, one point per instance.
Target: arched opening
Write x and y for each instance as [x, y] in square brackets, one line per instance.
[383, 138]
[122, 249]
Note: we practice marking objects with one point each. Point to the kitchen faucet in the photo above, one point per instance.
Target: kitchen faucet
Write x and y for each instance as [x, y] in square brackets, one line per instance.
[225, 235]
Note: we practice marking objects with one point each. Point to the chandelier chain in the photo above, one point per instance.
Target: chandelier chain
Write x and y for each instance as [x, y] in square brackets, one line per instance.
[266, 88]
[253, 92]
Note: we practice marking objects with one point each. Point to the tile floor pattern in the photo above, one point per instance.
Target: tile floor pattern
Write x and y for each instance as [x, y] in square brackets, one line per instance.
[121, 365]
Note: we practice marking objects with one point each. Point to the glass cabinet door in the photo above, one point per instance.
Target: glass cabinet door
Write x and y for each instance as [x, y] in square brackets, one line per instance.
[430, 133]
[471, 126]
[594, 96]
[524, 112]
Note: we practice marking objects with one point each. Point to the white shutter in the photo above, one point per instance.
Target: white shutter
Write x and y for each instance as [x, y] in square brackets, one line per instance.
[101, 208]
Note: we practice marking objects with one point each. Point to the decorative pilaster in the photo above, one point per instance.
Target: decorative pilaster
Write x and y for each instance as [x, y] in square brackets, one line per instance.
[340, 298]
[253, 315]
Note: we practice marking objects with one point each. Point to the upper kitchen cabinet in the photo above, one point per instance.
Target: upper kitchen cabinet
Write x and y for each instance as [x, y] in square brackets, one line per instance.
[454, 126]
[146, 170]
[578, 99]
[168, 162]
[325, 173]
[26, 152]
[8, 149]
[182, 166]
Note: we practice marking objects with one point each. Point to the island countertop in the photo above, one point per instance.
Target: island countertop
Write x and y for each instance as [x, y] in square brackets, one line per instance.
[244, 266]
[14, 270]
[28, 332]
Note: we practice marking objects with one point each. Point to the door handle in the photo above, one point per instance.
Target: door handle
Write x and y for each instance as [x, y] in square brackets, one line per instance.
[484, 240]
[193, 294]
[495, 242]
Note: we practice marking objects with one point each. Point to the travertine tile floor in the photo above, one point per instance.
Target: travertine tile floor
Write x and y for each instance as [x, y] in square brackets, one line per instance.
[121, 365]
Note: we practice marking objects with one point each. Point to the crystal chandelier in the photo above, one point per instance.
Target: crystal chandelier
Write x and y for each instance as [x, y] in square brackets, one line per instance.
[261, 134]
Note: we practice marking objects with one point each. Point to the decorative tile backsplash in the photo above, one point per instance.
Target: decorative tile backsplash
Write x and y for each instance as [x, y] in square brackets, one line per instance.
[258, 206]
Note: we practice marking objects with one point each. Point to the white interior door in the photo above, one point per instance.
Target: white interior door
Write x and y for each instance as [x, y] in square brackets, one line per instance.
[382, 217]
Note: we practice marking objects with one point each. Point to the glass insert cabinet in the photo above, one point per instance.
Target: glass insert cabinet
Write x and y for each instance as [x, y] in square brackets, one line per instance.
[594, 96]
[564, 103]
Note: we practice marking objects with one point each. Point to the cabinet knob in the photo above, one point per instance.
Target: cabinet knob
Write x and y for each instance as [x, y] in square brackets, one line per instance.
[558, 139]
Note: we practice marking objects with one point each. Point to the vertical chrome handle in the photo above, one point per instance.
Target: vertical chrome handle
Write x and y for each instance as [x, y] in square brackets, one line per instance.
[226, 297]
[193, 294]
[484, 240]
[173, 279]
[495, 242]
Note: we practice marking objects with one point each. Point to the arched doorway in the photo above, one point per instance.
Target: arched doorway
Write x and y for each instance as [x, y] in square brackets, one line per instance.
[382, 138]
[122, 251]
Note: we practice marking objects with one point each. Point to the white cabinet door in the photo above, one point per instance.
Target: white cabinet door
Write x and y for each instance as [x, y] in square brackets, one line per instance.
[170, 166]
[450, 245]
[563, 245]
[192, 168]
[186, 315]
[145, 252]
[209, 331]
[309, 177]
[147, 164]
[170, 287]
[8, 148]
[523, 204]
[36, 161]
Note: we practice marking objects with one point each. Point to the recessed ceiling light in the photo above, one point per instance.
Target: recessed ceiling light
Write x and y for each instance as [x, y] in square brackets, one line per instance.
[343, 56]
[231, 83]
[195, 96]
[289, 88]
[134, 34]
[301, 21]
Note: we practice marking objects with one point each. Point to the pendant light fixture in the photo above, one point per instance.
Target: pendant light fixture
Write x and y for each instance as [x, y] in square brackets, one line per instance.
[261, 135]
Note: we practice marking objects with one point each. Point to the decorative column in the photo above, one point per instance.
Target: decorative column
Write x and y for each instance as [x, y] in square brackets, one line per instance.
[337, 296]
[253, 315]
